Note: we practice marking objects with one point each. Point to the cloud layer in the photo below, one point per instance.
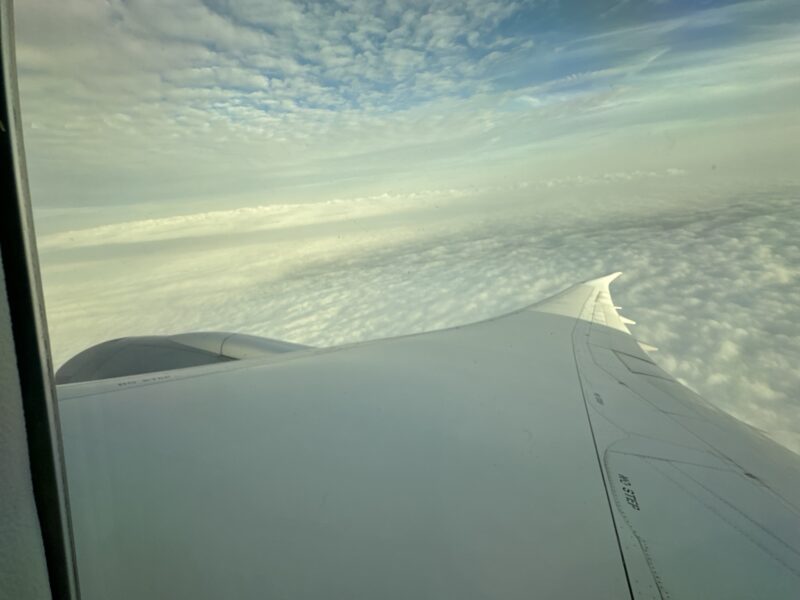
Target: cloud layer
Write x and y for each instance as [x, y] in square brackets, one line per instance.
[237, 103]
[712, 279]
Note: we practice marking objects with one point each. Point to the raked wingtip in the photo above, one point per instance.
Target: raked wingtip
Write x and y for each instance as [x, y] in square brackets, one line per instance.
[605, 280]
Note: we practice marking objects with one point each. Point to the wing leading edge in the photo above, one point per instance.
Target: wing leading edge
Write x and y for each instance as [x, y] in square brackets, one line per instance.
[540, 454]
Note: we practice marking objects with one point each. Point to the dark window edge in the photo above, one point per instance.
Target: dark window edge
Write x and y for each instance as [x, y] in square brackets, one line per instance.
[29, 330]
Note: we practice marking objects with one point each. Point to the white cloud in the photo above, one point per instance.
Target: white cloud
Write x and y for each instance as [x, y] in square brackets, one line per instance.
[168, 102]
[712, 273]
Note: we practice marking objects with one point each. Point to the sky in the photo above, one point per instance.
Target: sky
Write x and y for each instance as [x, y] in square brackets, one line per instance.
[326, 172]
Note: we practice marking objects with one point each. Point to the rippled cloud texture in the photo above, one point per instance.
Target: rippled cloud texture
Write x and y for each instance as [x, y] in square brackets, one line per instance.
[330, 172]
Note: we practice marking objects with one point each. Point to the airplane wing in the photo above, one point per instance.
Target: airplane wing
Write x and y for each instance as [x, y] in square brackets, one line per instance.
[540, 454]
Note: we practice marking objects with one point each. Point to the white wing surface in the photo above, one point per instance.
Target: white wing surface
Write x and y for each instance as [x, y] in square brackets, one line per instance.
[541, 454]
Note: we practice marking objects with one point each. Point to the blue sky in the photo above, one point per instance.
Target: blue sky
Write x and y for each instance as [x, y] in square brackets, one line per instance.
[170, 106]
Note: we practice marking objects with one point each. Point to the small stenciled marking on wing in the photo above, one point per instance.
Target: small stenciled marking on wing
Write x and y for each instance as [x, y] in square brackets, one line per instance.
[599, 398]
[153, 379]
[630, 494]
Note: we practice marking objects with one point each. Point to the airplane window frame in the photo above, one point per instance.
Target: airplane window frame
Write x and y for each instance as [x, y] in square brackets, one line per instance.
[29, 331]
